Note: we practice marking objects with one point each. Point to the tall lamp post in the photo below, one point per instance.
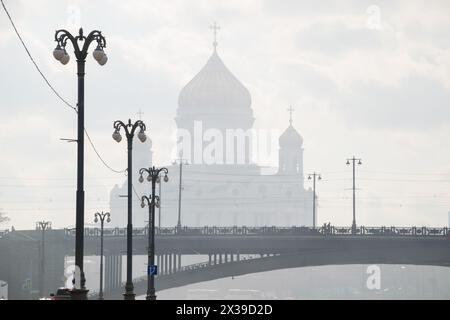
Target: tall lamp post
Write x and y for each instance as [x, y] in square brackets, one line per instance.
[60, 54]
[181, 162]
[101, 215]
[43, 226]
[153, 176]
[354, 161]
[130, 130]
[313, 176]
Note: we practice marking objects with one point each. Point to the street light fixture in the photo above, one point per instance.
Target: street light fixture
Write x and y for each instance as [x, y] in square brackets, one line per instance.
[152, 202]
[60, 54]
[130, 130]
[101, 215]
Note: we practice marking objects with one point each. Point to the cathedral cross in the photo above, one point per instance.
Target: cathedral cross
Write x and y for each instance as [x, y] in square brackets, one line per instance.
[215, 28]
[140, 113]
[290, 114]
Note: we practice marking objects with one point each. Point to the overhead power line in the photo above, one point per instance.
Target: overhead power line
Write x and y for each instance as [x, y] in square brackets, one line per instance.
[34, 62]
[53, 89]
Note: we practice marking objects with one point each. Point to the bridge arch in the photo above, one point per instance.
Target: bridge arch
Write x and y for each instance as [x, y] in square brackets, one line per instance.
[435, 256]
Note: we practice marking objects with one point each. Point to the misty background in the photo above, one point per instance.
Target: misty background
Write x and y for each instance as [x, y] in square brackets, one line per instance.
[366, 78]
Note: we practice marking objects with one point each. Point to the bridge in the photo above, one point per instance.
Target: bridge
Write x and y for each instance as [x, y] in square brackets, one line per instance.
[227, 250]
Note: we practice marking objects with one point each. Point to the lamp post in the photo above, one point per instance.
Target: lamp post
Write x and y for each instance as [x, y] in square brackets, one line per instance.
[130, 130]
[101, 215]
[43, 226]
[60, 54]
[181, 161]
[152, 201]
[319, 177]
[354, 161]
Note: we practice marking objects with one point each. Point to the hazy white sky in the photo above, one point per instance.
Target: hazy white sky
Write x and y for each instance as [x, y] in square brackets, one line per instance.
[369, 78]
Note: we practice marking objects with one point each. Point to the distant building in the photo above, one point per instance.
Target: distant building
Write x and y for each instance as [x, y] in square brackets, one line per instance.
[222, 186]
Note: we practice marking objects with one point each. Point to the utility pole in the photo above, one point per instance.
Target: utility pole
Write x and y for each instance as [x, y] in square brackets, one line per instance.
[181, 160]
[354, 160]
[313, 176]
[159, 207]
[43, 226]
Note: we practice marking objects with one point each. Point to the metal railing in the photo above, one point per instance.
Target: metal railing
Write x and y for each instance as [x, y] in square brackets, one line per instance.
[268, 231]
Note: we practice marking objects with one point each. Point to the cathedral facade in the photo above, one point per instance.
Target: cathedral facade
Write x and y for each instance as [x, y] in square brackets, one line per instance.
[220, 184]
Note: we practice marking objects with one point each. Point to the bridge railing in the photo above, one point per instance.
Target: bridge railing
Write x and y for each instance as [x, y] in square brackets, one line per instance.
[325, 230]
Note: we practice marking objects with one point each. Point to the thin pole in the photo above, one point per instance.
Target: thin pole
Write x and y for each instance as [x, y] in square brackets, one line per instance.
[159, 209]
[79, 242]
[354, 196]
[129, 288]
[314, 200]
[179, 195]
[41, 289]
[100, 295]
[314, 176]
[151, 253]
[353, 160]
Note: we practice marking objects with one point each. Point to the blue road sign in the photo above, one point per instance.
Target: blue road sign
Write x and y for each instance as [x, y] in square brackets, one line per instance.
[152, 270]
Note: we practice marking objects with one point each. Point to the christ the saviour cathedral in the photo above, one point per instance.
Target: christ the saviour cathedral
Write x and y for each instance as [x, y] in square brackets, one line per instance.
[226, 188]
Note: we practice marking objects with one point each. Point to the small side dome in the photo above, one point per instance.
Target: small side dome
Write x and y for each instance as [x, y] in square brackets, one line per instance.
[290, 138]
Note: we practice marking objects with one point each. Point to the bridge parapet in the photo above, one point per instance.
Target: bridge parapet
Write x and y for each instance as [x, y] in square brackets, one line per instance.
[272, 230]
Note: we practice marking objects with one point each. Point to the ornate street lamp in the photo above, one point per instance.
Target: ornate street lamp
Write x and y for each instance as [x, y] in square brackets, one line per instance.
[60, 54]
[152, 201]
[130, 130]
[101, 215]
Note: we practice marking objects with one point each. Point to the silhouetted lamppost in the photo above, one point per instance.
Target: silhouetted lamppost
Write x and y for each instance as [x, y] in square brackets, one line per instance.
[314, 176]
[60, 54]
[129, 129]
[43, 226]
[101, 215]
[354, 161]
[152, 201]
[181, 161]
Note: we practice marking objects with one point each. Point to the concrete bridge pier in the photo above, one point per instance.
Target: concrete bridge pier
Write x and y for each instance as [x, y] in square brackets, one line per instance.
[113, 272]
[158, 263]
[166, 263]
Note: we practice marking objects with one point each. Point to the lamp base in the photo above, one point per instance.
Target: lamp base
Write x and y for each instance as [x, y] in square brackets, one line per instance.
[129, 296]
[79, 294]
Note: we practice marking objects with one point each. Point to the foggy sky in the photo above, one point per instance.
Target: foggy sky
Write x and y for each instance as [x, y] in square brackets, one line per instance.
[378, 89]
